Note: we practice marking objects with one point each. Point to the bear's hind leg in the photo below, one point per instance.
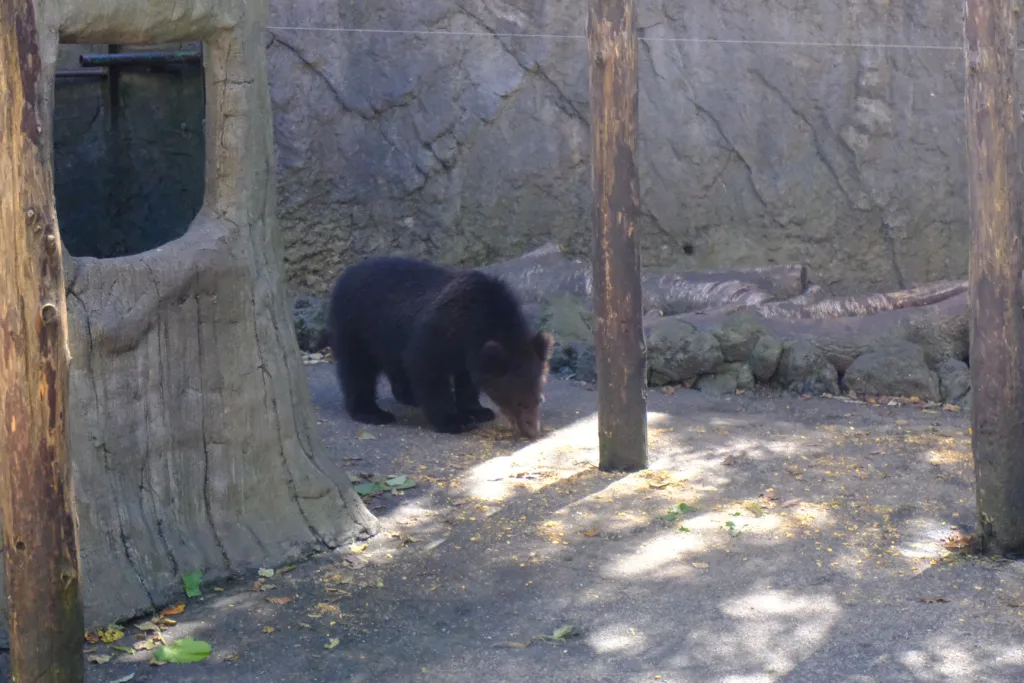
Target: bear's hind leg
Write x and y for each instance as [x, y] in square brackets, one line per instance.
[357, 372]
[401, 388]
[467, 399]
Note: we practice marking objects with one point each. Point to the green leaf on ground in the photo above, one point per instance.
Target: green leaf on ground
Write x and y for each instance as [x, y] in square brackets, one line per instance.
[380, 484]
[184, 651]
[369, 489]
[563, 632]
[401, 482]
[191, 581]
[675, 511]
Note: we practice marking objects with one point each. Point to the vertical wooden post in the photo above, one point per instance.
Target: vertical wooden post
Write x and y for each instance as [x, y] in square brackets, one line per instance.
[620, 349]
[44, 607]
[996, 302]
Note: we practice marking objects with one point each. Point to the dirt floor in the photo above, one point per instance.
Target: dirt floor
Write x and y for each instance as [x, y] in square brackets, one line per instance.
[817, 542]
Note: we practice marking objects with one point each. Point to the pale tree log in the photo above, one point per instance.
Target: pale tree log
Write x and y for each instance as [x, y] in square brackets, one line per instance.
[193, 440]
[861, 304]
[545, 271]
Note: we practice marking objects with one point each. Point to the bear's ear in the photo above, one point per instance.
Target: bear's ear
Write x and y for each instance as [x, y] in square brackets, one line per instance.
[543, 345]
[493, 359]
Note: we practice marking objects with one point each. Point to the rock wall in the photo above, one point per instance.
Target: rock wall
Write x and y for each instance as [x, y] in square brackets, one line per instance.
[467, 149]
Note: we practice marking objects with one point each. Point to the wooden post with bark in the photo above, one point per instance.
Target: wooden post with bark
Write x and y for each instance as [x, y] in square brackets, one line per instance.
[996, 303]
[45, 617]
[619, 346]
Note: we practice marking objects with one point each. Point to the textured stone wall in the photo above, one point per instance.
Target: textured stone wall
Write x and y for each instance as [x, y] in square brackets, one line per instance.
[469, 149]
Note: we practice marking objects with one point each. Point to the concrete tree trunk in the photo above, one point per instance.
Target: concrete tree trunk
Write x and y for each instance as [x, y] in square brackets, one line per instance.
[193, 440]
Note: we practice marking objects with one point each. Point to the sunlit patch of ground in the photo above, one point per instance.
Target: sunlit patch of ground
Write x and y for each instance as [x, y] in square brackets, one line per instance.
[769, 539]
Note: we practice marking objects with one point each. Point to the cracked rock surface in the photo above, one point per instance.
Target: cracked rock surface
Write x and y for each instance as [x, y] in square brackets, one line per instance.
[468, 149]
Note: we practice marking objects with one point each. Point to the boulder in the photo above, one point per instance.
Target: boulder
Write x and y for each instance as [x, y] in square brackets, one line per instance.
[954, 380]
[310, 316]
[727, 379]
[897, 369]
[568, 318]
[716, 384]
[764, 357]
[575, 359]
[677, 351]
[966, 401]
[803, 368]
[739, 334]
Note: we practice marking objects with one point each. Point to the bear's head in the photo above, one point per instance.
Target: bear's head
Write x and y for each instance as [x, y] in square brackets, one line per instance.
[514, 377]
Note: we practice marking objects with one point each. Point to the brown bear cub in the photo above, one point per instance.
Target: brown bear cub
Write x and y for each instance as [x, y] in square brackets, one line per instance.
[441, 336]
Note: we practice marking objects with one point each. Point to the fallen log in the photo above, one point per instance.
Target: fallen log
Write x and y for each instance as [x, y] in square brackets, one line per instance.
[862, 304]
[684, 292]
[940, 329]
[545, 272]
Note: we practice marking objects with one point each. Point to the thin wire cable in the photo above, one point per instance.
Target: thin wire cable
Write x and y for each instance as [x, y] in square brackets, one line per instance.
[650, 39]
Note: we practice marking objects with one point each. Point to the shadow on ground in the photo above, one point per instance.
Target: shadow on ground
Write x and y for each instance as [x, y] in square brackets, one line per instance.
[810, 548]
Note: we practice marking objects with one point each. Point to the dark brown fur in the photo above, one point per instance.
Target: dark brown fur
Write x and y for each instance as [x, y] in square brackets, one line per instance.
[441, 336]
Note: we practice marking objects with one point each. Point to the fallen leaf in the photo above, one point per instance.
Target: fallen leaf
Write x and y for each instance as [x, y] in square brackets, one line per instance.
[192, 581]
[564, 632]
[364, 435]
[147, 626]
[269, 629]
[172, 610]
[123, 679]
[122, 648]
[332, 643]
[591, 532]
[285, 570]
[675, 511]
[110, 634]
[282, 600]
[358, 547]
[100, 659]
[265, 573]
[184, 651]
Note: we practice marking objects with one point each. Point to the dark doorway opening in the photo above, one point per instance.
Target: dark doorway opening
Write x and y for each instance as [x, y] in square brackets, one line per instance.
[129, 145]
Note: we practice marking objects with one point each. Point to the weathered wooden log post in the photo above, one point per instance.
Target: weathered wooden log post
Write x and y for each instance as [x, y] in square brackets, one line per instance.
[40, 529]
[996, 303]
[620, 349]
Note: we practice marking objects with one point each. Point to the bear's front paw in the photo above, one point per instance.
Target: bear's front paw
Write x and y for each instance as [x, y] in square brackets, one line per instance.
[373, 417]
[453, 424]
[480, 414]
